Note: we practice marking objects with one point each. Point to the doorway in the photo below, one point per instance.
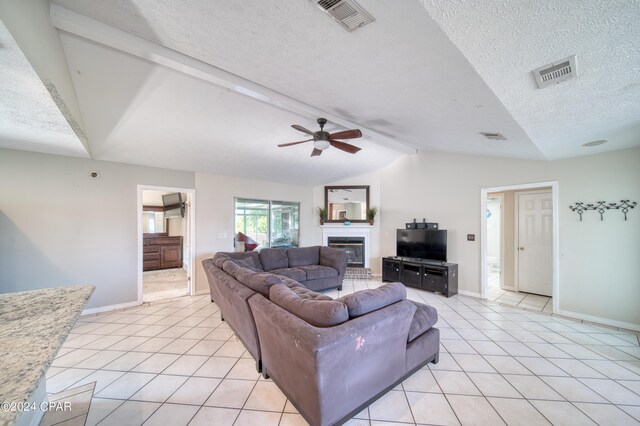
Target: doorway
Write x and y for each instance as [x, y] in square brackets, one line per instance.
[165, 236]
[519, 246]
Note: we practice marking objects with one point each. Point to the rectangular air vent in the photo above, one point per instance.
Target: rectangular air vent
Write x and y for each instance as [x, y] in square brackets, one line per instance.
[494, 136]
[556, 72]
[349, 14]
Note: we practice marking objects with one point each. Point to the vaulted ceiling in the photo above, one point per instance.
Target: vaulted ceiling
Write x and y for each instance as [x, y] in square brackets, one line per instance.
[214, 86]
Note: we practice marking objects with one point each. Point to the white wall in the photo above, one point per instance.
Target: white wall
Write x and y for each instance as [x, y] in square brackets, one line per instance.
[599, 271]
[215, 218]
[59, 227]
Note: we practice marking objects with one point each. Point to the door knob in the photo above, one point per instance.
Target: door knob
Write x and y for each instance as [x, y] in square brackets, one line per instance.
[521, 248]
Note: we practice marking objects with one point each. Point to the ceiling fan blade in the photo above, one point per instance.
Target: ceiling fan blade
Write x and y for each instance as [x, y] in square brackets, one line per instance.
[302, 129]
[316, 152]
[294, 143]
[346, 147]
[346, 134]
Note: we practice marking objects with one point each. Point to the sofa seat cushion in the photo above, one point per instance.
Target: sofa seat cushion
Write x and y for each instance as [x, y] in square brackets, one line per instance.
[302, 290]
[274, 258]
[293, 273]
[365, 301]
[317, 312]
[307, 294]
[303, 256]
[315, 272]
[424, 318]
[259, 282]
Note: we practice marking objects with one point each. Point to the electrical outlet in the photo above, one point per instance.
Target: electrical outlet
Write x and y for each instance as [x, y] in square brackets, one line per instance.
[471, 237]
[223, 235]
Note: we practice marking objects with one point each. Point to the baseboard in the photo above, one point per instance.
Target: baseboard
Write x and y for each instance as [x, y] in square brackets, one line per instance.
[201, 292]
[110, 308]
[598, 320]
[470, 293]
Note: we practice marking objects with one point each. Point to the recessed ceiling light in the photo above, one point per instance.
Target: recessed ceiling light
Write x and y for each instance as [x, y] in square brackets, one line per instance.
[594, 143]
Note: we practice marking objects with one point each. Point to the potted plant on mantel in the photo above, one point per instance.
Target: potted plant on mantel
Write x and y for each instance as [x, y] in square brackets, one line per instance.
[371, 214]
[322, 212]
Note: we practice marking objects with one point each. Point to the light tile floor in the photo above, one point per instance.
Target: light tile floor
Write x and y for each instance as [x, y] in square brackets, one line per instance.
[531, 302]
[177, 363]
[164, 284]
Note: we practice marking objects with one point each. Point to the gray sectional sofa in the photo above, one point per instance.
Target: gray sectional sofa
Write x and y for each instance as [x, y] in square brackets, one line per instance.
[330, 357]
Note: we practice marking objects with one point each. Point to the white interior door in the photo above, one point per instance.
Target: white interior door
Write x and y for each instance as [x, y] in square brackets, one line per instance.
[534, 248]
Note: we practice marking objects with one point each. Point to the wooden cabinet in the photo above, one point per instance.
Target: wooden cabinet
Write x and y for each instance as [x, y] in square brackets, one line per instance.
[161, 252]
[424, 274]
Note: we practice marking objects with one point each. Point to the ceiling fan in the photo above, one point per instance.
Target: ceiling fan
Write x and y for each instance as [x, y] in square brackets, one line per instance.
[322, 140]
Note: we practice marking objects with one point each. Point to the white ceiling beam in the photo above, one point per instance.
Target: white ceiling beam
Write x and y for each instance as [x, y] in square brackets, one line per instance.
[90, 29]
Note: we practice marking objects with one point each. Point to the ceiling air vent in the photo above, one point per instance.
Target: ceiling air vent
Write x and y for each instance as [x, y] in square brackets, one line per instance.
[556, 72]
[349, 14]
[494, 136]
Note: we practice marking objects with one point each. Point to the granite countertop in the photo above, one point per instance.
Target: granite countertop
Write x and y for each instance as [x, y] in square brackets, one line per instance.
[33, 327]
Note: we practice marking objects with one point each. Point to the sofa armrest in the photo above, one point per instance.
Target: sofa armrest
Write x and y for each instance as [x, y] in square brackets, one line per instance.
[328, 372]
[335, 258]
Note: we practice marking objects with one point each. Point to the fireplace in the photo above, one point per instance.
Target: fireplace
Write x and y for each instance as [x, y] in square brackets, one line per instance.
[354, 246]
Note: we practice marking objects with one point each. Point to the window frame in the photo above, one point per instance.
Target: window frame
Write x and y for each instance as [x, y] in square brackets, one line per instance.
[269, 215]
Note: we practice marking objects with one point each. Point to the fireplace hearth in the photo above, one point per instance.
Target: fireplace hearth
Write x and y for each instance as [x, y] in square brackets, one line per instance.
[354, 246]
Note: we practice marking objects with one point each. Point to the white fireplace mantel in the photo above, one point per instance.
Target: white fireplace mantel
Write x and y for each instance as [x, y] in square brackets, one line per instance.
[341, 230]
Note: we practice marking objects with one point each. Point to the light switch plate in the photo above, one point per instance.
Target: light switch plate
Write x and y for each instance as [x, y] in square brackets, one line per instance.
[223, 235]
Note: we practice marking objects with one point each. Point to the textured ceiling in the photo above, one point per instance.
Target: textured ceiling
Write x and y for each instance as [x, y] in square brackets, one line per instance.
[505, 41]
[142, 113]
[29, 118]
[400, 76]
[428, 74]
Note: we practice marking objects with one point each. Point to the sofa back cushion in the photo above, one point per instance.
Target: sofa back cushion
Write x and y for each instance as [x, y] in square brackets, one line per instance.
[254, 255]
[231, 267]
[319, 313]
[424, 318]
[249, 263]
[259, 282]
[249, 259]
[365, 301]
[274, 258]
[303, 256]
[219, 258]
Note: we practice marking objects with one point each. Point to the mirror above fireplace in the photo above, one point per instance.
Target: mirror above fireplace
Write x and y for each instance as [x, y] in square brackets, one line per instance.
[348, 202]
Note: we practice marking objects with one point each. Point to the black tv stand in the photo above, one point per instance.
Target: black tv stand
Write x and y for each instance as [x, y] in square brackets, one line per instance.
[425, 274]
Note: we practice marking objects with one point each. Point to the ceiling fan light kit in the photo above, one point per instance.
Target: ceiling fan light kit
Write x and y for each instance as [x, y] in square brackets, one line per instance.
[323, 140]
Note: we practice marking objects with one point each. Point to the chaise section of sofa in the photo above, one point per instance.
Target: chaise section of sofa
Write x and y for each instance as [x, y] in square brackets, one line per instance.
[333, 358]
[330, 357]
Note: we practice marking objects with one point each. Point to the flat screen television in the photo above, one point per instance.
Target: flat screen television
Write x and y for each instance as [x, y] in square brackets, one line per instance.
[173, 205]
[422, 243]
